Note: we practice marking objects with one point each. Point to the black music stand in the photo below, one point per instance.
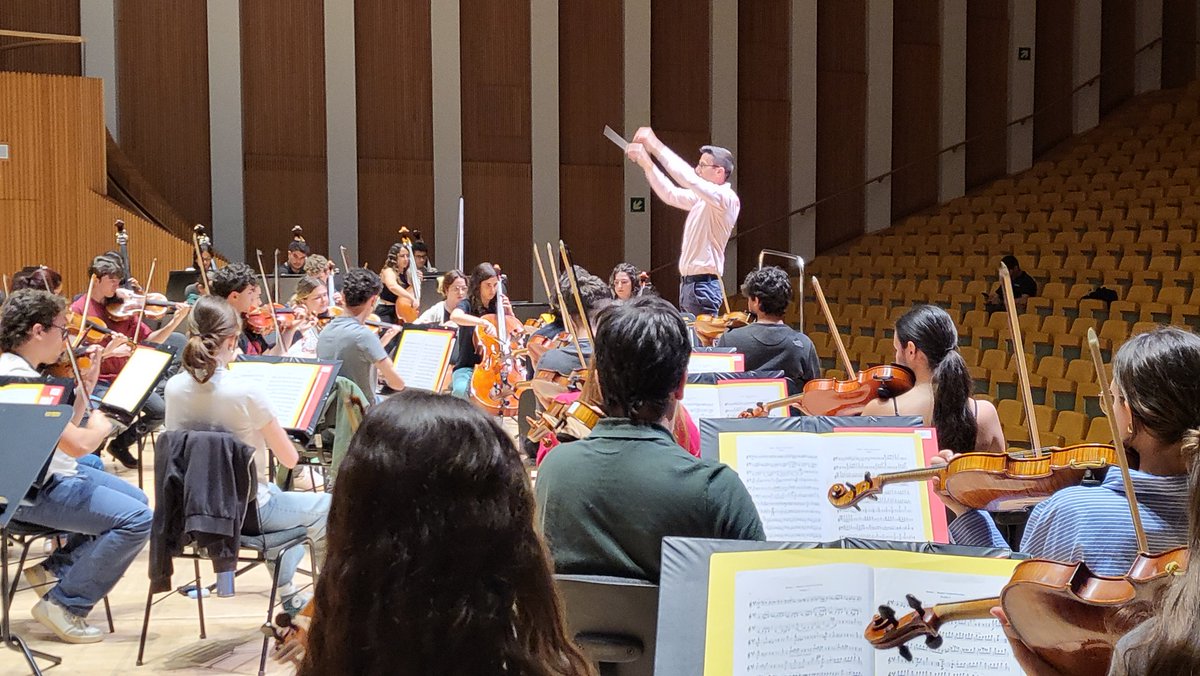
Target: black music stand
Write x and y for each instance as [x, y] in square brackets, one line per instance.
[31, 433]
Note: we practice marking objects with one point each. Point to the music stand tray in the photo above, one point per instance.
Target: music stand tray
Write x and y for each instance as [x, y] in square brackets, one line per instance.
[31, 433]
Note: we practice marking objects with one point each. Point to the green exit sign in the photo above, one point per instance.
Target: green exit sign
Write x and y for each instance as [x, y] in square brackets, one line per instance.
[637, 205]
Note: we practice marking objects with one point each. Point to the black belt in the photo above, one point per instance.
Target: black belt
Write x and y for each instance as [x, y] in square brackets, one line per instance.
[691, 279]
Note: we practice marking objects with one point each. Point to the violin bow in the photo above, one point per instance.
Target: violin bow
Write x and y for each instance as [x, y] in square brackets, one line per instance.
[724, 298]
[137, 331]
[87, 303]
[542, 271]
[270, 301]
[583, 319]
[345, 263]
[566, 316]
[1107, 403]
[87, 397]
[458, 252]
[833, 329]
[1014, 327]
[275, 274]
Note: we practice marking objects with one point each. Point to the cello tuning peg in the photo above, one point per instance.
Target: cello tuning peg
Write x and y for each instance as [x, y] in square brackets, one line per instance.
[914, 603]
[906, 653]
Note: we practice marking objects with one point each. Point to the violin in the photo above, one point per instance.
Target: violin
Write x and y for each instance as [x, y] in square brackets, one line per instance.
[63, 367]
[643, 282]
[262, 318]
[1063, 613]
[576, 418]
[291, 634]
[93, 330]
[991, 481]
[126, 304]
[548, 384]
[710, 328]
[379, 325]
[828, 396]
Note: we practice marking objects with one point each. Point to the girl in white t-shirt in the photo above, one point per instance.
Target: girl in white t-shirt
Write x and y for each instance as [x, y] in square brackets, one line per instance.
[206, 393]
[312, 301]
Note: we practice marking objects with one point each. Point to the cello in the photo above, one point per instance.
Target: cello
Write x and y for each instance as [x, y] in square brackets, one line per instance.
[996, 481]
[494, 382]
[1065, 615]
[406, 310]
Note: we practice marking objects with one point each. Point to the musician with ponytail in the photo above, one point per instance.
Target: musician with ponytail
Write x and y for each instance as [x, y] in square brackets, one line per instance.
[207, 394]
[926, 342]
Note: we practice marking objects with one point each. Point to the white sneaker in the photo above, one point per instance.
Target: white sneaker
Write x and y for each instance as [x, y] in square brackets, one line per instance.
[39, 578]
[67, 626]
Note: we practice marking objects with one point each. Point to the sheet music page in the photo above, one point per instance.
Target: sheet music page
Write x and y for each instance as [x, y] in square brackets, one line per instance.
[738, 395]
[788, 475]
[976, 647]
[139, 375]
[806, 620]
[702, 401]
[716, 362]
[422, 357]
[288, 386]
[22, 393]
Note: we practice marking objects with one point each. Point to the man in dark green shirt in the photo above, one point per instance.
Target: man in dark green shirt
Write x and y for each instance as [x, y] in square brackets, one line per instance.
[606, 502]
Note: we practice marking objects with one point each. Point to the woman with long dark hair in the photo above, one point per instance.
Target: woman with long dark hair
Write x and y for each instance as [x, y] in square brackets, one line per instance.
[482, 291]
[926, 342]
[396, 285]
[434, 564]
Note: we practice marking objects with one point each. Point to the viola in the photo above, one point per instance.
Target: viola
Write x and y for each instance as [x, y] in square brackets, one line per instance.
[576, 418]
[992, 481]
[291, 634]
[262, 318]
[63, 368]
[1063, 613]
[126, 305]
[536, 346]
[710, 328]
[828, 396]
[94, 330]
[378, 324]
[548, 384]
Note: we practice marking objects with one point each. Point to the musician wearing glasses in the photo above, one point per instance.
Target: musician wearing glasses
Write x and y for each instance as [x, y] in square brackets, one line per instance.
[712, 205]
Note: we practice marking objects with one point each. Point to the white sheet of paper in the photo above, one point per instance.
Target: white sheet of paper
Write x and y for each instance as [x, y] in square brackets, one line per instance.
[716, 362]
[702, 401]
[788, 474]
[21, 394]
[288, 386]
[730, 397]
[139, 375]
[422, 357]
[804, 620]
[976, 647]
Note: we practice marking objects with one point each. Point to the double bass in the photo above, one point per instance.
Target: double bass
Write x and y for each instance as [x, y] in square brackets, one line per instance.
[407, 310]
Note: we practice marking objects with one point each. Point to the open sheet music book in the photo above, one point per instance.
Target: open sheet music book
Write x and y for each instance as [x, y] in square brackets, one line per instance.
[804, 611]
[423, 358]
[36, 391]
[728, 398]
[788, 475]
[296, 389]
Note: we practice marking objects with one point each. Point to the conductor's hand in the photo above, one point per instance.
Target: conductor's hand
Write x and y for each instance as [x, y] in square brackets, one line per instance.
[646, 137]
[637, 154]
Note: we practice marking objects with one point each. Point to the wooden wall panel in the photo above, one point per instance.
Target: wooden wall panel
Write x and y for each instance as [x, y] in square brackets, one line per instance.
[916, 104]
[763, 173]
[52, 203]
[283, 113]
[591, 87]
[162, 65]
[497, 178]
[1117, 25]
[841, 119]
[1179, 43]
[395, 126]
[679, 112]
[1053, 55]
[41, 16]
[987, 91]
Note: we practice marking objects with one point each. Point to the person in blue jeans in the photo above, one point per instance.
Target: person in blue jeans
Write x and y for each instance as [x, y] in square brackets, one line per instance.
[207, 394]
[107, 517]
[482, 292]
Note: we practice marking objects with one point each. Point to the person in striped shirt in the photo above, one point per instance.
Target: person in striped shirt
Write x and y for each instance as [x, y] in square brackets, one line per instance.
[1156, 394]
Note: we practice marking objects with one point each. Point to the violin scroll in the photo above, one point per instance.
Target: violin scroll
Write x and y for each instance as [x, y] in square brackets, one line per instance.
[886, 631]
[846, 495]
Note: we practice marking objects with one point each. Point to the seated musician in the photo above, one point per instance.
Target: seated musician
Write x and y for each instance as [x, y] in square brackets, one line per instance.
[625, 283]
[310, 301]
[768, 343]
[927, 343]
[432, 544]
[38, 277]
[196, 289]
[480, 301]
[1154, 391]
[607, 501]
[420, 251]
[453, 287]
[106, 273]
[397, 288]
[349, 340]
[238, 284]
[1024, 287]
[108, 517]
[297, 256]
[595, 295]
[207, 394]
[322, 268]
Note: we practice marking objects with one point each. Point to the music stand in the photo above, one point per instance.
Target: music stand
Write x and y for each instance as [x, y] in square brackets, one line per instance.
[31, 433]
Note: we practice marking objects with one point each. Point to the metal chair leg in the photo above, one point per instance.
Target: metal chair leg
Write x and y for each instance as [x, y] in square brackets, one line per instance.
[108, 613]
[262, 661]
[199, 598]
[145, 627]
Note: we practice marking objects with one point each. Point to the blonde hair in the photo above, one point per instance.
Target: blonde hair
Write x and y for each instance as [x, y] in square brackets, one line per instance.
[305, 288]
[315, 264]
[211, 322]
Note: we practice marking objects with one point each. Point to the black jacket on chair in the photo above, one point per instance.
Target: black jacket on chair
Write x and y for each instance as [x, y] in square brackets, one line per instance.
[204, 482]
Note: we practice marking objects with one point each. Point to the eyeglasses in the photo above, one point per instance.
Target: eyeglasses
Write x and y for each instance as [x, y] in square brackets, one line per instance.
[703, 164]
[64, 329]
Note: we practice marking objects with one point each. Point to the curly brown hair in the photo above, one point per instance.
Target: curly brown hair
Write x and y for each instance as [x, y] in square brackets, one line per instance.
[24, 309]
